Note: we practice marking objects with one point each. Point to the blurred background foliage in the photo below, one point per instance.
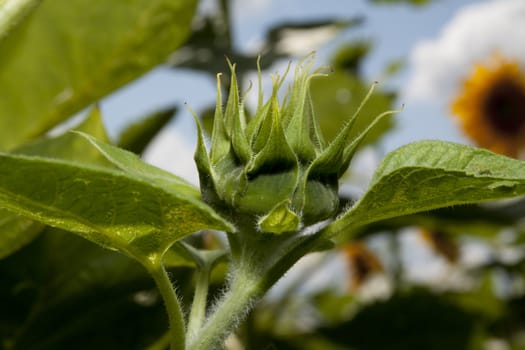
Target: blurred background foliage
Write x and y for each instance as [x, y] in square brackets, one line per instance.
[58, 291]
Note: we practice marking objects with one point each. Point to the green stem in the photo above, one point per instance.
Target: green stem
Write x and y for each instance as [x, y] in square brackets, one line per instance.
[261, 261]
[172, 304]
[198, 307]
[12, 12]
[243, 292]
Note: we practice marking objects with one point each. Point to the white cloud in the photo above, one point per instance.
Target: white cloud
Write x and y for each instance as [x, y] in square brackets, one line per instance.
[474, 35]
[298, 42]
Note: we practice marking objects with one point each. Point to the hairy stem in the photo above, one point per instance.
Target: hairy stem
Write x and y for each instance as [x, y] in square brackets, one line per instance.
[176, 320]
[261, 260]
[198, 307]
[229, 311]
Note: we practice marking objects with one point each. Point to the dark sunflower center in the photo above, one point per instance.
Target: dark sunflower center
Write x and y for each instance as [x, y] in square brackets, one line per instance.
[504, 106]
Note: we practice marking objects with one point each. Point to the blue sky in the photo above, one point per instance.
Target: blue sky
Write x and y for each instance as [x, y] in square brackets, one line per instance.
[422, 35]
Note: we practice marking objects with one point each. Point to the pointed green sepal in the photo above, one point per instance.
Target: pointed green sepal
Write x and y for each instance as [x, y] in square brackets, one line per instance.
[260, 93]
[299, 129]
[280, 219]
[232, 181]
[220, 141]
[352, 147]
[262, 108]
[256, 123]
[315, 133]
[235, 120]
[331, 160]
[259, 129]
[295, 97]
[276, 155]
[263, 123]
[204, 167]
[232, 104]
[240, 144]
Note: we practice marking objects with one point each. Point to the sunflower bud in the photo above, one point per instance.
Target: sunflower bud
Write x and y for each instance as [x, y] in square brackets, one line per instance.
[276, 167]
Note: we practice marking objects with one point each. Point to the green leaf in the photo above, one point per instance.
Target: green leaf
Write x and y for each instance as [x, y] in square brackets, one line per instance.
[16, 231]
[280, 219]
[62, 289]
[12, 12]
[134, 166]
[433, 174]
[112, 208]
[349, 57]
[69, 53]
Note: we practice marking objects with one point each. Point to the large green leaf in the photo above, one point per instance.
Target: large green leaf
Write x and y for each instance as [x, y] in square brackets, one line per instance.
[433, 174]
[138, 217]
[12, 12]
[15, 230]
[69, 53]
[62, 289]
[131, 164]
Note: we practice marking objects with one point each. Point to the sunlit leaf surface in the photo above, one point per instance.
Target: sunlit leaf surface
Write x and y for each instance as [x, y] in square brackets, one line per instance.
[69, 53]
[110, 207]
[15, 230]
[432, 174]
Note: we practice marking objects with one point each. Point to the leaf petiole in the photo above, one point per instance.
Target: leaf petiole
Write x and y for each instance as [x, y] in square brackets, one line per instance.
[198, 307]
[205, 260]
[171, 301]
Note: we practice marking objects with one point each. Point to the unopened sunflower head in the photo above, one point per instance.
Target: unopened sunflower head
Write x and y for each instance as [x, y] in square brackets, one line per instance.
[275, 168]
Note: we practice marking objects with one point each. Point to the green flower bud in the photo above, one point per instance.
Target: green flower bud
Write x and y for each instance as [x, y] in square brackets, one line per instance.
[275, 168]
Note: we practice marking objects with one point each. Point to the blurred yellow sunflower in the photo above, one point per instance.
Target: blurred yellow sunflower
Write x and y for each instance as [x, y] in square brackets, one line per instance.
[442, 244]
[361, 262]
[491, 107]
